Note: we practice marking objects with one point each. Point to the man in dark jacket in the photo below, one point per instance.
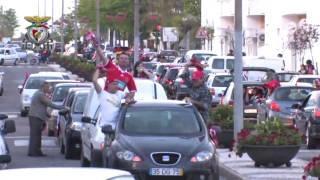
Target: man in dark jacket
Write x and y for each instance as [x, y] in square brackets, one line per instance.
[37, 117]
[199, 94]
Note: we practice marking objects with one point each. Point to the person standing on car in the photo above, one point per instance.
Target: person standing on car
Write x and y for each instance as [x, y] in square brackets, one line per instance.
[112, 71]
[110, 99]
[199, 94]
[37, 118]
[309, 67]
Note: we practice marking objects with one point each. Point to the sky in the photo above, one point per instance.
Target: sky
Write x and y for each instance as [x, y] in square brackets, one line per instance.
[30, 8]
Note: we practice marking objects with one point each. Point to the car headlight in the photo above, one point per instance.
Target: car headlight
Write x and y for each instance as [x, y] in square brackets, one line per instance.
[76, 126]
[26, 98]
[128, 156]
[128, 177]
[202, 156]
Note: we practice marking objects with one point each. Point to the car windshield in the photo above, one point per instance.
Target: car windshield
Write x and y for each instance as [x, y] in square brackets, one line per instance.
[284, 77]
[202, 56]
[19, 50]
[222, 81]
[35, 82]
[168, 121]
[292, 93]
[60, 93]
[79, 103]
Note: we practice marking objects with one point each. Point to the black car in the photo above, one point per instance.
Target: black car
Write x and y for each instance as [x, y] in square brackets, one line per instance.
[70, 123]
[161, 139]
[168, 81]
[308, 118]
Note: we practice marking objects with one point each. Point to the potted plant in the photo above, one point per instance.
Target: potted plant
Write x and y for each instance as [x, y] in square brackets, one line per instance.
[270, 144]
[312, 168]
[221, 119]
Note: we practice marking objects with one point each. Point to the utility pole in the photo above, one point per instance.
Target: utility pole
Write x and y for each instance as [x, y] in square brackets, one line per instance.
[38, 7]
[62, 28]
[238, 85]
[45, 7]
[75, 34]
[136, 31]
[52, 10]
[98, 20]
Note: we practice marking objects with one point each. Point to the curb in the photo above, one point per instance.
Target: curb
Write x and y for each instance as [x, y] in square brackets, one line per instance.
[230, 174]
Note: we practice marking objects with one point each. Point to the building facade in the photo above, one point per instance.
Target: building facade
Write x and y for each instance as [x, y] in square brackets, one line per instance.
[266, 27]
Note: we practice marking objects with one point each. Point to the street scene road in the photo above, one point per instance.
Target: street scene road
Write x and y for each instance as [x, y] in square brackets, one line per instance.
[18, 141]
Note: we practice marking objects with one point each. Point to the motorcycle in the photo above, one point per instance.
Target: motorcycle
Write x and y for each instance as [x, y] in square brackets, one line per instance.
[33, 58]
[6, 126]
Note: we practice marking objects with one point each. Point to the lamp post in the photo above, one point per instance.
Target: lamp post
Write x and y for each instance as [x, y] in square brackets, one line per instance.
[62, 28]
[98, 20]
[75, 34]
[136, 30]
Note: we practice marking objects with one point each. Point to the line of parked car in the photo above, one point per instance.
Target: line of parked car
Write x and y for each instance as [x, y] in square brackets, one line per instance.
[183, 148]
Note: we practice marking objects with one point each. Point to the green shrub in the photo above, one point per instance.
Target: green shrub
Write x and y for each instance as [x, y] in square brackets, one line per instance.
[222, 116]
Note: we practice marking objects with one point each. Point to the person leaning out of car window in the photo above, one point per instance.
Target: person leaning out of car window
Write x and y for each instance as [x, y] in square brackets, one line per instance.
[199, 94]
[140, 72]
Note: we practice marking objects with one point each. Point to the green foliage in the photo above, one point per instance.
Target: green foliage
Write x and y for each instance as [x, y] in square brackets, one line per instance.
[8, 22]
[222, 116]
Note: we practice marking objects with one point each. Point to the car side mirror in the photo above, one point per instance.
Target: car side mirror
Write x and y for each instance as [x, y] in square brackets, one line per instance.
[20, 87]
[86, 119]
[63, 112]
[9, 126]
[296, 106]
[107, 130]
[3, 116]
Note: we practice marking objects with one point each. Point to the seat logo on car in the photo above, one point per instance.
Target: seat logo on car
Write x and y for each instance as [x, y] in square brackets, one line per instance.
[165, 158]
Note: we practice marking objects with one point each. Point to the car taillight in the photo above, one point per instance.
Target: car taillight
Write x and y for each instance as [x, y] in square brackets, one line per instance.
[273, 106]
[212, 91]
[169, 82]
[317, 113]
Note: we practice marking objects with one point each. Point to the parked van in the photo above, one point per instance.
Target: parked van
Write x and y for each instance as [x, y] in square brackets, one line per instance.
[223, 64]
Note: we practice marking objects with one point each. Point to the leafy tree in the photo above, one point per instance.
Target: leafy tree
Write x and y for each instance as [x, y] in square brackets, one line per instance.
[8, 22]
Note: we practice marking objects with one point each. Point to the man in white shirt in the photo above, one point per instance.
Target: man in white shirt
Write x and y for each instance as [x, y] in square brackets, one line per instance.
[110, 99]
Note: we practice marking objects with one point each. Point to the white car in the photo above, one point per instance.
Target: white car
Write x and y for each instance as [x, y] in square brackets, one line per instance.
[91, 135]
[304, 78]
[8, 55]
[217, 84]
[1, 83]
[31, 85]
[22, 54]
[54, 173]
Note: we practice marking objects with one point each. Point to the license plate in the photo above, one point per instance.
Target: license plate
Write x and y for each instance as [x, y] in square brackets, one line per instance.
[250, 111]
[166, 172]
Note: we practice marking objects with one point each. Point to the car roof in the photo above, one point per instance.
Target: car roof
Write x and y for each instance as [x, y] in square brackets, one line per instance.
[74, 89]
[306, 76]
[75, 84]
[287, 72]
[159, 103]
[200, 51]
[82, 91]
[220, 74]
[62, 80]
[258, 69]
[45, 75]
[300, 84]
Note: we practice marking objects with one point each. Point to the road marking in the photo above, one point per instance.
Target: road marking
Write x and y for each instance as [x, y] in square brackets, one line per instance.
[20, 143]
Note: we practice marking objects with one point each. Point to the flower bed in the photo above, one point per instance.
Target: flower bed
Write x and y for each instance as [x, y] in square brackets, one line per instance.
[312, 168]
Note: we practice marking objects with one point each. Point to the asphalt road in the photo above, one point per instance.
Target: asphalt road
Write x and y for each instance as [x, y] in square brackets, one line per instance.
[18, 141]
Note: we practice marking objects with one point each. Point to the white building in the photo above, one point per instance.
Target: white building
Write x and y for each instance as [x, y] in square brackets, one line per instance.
[265, 24]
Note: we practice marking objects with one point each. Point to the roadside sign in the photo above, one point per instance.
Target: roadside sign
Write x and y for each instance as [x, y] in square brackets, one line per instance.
[170, 34]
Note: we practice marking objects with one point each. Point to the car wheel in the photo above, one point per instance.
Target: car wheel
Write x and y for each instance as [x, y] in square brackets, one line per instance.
[68, 151]
[84, 161]
[1, 91]
[96, 158]
[23, 113]
[310, 142]
[15, 62]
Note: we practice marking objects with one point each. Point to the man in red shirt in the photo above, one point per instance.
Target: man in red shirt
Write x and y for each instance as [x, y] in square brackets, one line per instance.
[120, 73]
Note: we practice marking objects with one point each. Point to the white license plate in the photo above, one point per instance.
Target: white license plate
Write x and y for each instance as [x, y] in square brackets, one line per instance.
[166, 172]
[250, 111]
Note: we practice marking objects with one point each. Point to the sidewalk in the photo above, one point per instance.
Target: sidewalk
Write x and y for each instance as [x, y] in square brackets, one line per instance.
[236, 168]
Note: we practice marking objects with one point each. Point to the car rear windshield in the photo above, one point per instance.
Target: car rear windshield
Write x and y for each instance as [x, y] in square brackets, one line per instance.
[284, 77]
[255, 75]
[60, 93]
[168, 121]
[35, 82]
[202, 56]
[222, 81]
[292, 93]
